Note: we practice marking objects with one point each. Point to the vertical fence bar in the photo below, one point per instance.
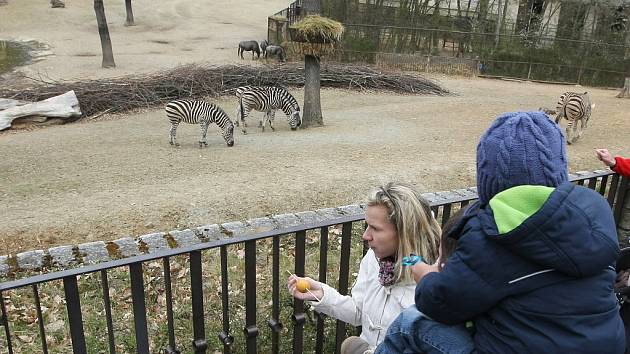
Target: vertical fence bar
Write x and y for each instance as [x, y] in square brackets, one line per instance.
[251, 330]
[139, 308]
[580, 182]
[196, 286]
[170, 323]
[323, 269]
[40, 319]
[225, 337]
[612, 191]
[592, 183]
[622, 194]
[446, 213]
[4, 320]
[274, 322]
[344, 270]
[73, 306]
[107, 305]
[298, 305]
[602, 185]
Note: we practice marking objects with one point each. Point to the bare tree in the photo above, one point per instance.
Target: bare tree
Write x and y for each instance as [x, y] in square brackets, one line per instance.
[103, 31]
[312, 103]
[129, 21]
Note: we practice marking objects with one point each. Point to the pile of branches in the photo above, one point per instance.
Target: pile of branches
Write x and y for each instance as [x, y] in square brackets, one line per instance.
[198, 81]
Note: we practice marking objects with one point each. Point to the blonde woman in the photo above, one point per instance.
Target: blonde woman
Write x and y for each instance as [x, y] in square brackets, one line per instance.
[399, 222]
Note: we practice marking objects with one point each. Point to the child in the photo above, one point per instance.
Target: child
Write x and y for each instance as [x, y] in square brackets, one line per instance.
[534, 263]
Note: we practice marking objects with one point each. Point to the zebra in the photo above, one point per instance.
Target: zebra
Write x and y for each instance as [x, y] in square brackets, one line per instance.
[268, 99]
[239, 91]
[270, 111]
[202, 113]
[574, 107]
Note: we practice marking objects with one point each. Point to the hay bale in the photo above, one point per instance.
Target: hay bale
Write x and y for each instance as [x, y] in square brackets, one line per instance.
[316, 29]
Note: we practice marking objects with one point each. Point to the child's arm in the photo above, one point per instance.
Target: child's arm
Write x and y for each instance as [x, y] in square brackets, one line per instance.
[455, 294]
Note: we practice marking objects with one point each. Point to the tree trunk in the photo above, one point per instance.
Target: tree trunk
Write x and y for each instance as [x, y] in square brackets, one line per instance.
[312, 104]
[625, 92]
[106, 43]
[129, 21]
[497, 33]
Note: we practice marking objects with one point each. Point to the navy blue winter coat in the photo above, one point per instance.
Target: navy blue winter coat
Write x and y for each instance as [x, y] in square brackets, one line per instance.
[545, 286]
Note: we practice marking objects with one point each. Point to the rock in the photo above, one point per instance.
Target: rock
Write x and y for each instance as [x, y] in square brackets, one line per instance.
[31, 259]
[62, 256]
[94, 252]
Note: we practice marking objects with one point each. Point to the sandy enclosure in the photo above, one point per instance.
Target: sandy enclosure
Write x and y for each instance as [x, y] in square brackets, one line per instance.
[118, 175]
[167, 33]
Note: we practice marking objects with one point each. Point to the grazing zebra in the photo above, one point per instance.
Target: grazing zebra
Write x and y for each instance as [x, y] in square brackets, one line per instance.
[239, 91]
[202, 113]
[576, 108]
[267, 100]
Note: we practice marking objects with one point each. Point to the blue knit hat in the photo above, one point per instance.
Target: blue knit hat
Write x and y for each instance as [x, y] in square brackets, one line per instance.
[520, 148]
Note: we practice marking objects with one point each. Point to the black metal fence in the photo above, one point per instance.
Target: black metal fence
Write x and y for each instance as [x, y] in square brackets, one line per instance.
[540, 57]
[226, 295]
[278, 23]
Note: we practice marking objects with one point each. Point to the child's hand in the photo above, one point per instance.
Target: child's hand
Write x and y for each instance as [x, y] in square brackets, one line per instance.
[421, 269]
[622, 279]
[314, 289]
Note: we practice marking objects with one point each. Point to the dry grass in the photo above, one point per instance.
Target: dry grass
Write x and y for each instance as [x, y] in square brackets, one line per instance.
[198, 81]
[319, 27]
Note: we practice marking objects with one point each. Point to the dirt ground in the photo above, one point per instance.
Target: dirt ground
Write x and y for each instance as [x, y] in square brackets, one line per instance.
[118, 175]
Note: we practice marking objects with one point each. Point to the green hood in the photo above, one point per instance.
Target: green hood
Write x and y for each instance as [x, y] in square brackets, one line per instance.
[513, 206]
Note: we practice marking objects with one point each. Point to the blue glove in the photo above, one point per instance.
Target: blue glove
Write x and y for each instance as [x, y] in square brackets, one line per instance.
[411, 260]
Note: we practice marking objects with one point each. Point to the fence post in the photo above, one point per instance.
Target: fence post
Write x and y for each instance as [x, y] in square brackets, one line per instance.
[622, 209]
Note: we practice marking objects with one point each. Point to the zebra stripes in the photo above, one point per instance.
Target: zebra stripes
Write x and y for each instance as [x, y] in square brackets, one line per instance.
[576, 108]
[267, 99]
[202, 113]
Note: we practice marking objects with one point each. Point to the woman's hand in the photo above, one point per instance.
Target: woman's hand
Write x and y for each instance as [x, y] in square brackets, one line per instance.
[421, 269]
[315, 288]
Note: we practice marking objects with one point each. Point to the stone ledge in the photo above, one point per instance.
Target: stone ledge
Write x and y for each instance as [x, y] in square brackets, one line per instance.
[95, 252]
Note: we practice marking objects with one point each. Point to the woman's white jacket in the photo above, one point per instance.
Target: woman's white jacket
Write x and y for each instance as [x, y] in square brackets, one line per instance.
[372, 306]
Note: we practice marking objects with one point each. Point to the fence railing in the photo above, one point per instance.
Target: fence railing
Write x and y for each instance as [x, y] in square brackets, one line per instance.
[226, 295]
[540, 57]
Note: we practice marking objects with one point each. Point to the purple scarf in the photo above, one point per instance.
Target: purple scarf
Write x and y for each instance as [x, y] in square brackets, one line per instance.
[386, 272]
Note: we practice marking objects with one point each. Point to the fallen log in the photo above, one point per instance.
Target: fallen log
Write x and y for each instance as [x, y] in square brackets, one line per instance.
[8, 103]
[62, 106]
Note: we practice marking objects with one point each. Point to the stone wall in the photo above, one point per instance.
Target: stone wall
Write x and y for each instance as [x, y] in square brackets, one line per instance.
[64, 257]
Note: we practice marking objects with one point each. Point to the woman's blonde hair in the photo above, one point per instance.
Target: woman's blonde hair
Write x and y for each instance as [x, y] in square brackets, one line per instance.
[418, 231]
